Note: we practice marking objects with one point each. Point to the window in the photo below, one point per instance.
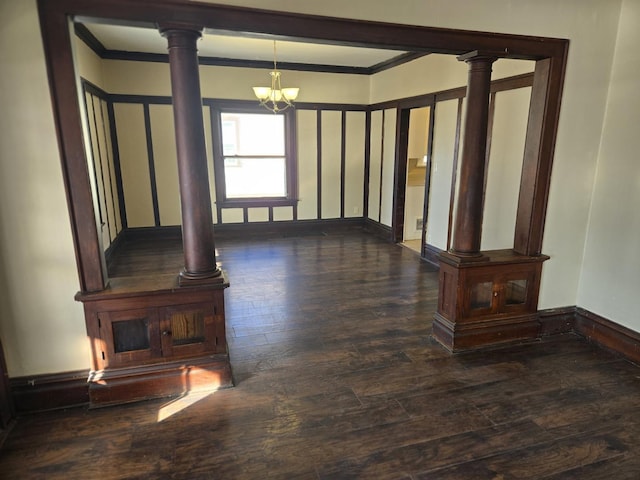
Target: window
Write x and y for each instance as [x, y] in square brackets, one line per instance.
[254, 160]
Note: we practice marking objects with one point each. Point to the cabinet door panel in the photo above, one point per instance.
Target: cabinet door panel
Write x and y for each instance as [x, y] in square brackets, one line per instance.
[129, 336]
[188, 330]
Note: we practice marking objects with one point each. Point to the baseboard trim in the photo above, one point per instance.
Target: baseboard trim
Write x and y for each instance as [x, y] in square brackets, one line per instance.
[286, 227]
[486, 334]
[556, 321]
[133, 384]
[50, 391]
[68, 389]
[432, 255]
[594, 328]
[378, 229]
[608, 334]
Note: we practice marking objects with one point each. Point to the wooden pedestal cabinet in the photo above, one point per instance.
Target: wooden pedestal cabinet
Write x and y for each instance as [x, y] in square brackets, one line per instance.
[156, 342]
[487, 301]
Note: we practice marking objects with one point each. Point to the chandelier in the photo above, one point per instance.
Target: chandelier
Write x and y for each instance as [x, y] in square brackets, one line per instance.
[276, 98]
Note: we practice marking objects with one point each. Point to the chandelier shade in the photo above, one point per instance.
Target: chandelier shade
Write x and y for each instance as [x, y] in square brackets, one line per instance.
[276, 98]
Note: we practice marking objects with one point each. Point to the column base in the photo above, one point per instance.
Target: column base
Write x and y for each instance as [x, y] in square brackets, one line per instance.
[489, 333]
[487, 300]
[133, 384]
[186, 279]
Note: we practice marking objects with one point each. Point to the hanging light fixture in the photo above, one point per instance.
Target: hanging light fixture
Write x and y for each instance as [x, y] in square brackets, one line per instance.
[276, 98]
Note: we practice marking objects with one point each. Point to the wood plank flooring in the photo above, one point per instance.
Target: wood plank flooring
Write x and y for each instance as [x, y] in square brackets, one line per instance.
[337, 377]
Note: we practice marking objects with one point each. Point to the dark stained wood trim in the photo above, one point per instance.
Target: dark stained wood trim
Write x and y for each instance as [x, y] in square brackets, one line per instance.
[117, 168]
[326, 225]
[544, 113]
[400, 174]
[291, 151]
[150, 99]
[123, 385]
[50, 391]
[152, 165]
[216, 142]
[381, 166]
[608, 334]
[113, 247]
[93, 89]
[511, 83]
[252, 228]
[54, 28]
[554, 321]
[378, 229]
[90, 40]
[427, 181]
[67, 389]
[101, 162]
[492, 110]
[451, 94]
[367, 163]
[238, 63]
[395, 61]
[319, 162]
[431, 255]
[109, 162]
[7, 407]
[343, 159]
[293, 26]
[454, 172]
[270, 214]
[91, 156]
[257, 202]
[596, 329]
[350, 107]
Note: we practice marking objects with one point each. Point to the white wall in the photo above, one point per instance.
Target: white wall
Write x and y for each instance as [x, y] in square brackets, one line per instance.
[444, 141]
[505, 168]
[610, 279]
[42, 327]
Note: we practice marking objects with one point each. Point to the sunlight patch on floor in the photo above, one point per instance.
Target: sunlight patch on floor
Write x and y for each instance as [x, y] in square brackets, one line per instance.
[179, 404]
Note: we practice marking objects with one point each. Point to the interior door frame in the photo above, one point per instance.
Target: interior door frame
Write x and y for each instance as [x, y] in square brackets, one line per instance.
[400, 167]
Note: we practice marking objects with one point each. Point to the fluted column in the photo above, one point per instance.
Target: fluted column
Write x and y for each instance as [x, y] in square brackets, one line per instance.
[468, 221]
[197, 221]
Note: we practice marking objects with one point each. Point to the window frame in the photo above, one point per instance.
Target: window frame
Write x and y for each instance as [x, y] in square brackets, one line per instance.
[290, 156]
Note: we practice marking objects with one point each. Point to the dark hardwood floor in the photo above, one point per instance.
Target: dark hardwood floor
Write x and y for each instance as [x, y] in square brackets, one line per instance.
[337, 377]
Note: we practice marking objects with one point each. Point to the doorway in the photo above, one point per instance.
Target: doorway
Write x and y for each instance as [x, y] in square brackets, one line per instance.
[416, 178]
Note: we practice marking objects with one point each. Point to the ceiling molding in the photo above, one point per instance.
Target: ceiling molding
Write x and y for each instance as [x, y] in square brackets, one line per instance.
[84, 34]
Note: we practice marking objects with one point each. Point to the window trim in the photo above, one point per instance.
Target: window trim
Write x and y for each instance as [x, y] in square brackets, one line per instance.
[290, 155]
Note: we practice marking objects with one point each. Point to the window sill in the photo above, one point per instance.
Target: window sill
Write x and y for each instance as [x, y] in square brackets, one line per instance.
[257, 202]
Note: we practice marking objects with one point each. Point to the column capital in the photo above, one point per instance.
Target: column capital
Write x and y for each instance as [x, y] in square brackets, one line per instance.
[480, 56]
[167, 27]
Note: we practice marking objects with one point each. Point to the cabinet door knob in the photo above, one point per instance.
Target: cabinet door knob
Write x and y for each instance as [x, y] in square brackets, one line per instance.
[166, 332]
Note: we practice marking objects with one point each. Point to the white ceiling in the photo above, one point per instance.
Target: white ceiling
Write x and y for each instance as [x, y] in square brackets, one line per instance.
[226, 45]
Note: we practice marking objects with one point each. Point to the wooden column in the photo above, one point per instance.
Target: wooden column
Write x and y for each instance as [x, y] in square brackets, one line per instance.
[197, 221]
[491, 297]
[468, 220]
